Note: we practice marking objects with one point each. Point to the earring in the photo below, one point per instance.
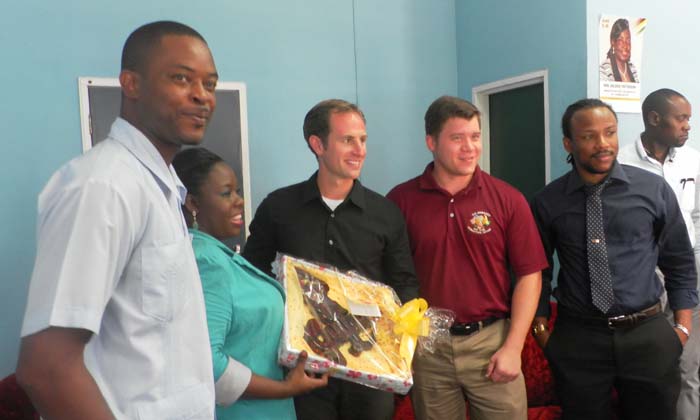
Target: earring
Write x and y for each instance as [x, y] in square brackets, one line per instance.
[195, 225]
[613, 50]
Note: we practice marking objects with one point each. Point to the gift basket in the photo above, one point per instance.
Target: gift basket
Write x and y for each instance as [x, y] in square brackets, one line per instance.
[351, 326]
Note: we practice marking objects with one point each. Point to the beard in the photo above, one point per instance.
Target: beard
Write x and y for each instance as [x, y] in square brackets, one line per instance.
[593, 170]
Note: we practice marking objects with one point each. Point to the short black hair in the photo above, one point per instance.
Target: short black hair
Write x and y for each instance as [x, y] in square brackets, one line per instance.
[193, 166]
[139, 45]
[318, 120]
[446, 107]
[658, 101]
[578, 106]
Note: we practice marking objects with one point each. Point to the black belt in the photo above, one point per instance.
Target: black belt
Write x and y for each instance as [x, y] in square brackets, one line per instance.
[469, 328]
[620, 321]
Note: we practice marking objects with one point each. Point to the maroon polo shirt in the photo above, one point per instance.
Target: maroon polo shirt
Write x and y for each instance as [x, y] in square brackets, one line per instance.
[463, 244]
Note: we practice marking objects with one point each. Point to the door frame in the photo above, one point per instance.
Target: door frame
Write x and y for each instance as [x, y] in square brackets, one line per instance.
[480, 98]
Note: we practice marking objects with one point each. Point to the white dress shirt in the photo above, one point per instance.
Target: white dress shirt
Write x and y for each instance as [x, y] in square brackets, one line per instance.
[681, 170]
[114, 257]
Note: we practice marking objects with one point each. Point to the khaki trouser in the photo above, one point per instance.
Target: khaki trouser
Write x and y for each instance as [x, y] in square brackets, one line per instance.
[457, 371]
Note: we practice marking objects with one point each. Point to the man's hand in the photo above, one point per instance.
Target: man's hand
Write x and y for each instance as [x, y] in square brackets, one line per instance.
[504, 365]
[542, 335]
[681, 336]
[52, 372]
[683, 317]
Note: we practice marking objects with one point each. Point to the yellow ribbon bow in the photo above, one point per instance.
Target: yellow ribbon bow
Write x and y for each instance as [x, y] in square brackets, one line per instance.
[410, 321]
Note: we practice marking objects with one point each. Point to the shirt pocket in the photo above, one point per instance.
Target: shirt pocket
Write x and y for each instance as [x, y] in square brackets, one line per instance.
[162, 266]
[193, 403]
[687, 199]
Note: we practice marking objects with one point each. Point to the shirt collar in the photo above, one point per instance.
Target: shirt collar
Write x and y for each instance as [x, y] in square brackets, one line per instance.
[575, 182]
[237, 258]
[311, 192]
[198, 234]
[671, 153]
[642, 153]
[142, 148]
[427, 181]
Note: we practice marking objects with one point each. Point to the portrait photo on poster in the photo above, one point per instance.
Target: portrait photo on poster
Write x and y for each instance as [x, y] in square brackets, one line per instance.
[620, 54]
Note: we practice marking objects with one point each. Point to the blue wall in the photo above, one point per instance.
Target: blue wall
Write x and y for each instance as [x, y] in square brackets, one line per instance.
[507, 38]
[393, 56]
[670, 58]
[403, 65]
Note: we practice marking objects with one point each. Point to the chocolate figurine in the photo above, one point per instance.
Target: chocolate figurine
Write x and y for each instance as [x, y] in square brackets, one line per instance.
[332, 325]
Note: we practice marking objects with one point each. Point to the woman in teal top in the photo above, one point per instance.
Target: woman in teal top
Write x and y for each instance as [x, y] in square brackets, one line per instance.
[245, 307]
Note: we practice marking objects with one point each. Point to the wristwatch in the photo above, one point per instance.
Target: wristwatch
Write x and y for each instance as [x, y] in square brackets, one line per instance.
[682, 329]
[539, 328]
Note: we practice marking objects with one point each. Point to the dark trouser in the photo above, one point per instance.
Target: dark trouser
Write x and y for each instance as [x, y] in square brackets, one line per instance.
[343, 400]
[641, 362]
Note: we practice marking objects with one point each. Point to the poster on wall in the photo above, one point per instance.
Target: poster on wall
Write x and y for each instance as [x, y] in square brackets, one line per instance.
[620, 42]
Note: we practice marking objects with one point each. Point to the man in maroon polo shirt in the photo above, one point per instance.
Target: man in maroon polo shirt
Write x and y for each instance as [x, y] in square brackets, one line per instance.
[467, 229]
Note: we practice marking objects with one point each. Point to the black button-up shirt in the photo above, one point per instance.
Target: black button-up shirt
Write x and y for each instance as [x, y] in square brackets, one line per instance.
[365, 233]
[644, 228]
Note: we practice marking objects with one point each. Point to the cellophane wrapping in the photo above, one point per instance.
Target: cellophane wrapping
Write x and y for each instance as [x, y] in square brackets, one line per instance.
[322, 317]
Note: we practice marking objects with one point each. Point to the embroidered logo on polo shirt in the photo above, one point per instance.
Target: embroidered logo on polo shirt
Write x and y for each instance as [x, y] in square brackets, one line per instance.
[480, 223]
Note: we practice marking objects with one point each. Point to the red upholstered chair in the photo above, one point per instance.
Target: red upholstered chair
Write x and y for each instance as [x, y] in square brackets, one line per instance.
[541, 398]
[14, 403]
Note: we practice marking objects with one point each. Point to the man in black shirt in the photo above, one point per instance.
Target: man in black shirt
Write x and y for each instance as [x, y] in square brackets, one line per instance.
[621, 340]
[331, 218]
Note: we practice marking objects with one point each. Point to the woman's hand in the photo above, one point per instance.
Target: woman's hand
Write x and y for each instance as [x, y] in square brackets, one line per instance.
[297, 382]
[300, 382]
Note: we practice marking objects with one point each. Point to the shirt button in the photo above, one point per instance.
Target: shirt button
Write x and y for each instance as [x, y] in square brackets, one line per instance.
[452, 200]
[333, 215]
[330, 242]
[452, 215]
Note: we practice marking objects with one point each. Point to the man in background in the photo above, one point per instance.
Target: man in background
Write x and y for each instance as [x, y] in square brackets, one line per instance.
[660, 149]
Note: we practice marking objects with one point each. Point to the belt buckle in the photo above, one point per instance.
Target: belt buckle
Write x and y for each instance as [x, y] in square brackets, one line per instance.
[614, 319]
[459, 329]
[466, 329]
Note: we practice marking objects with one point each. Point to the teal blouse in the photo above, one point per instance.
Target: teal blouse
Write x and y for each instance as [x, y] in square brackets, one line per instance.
[245, 315]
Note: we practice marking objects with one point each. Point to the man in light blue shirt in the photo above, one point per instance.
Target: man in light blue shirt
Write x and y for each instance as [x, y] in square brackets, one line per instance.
[115, 325]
